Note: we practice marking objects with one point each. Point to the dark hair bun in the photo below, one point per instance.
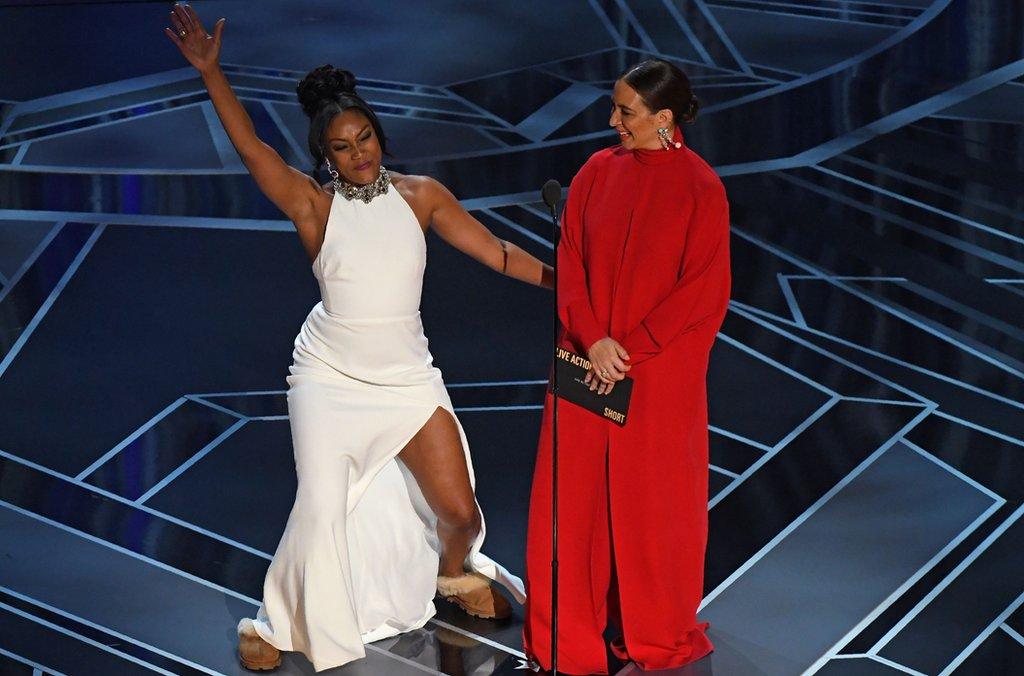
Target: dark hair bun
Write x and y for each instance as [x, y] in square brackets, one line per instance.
[321, 84]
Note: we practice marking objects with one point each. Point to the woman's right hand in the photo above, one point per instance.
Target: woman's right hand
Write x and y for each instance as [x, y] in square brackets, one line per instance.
[201, 49]
[608, 361]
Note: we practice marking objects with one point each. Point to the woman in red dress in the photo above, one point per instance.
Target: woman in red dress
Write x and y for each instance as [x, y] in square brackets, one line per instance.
[644, 284]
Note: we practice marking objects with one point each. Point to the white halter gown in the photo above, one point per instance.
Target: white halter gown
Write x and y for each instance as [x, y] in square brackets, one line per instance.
[358, 559]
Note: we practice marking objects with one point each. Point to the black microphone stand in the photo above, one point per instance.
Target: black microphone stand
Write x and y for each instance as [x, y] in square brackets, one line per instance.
[551, 193]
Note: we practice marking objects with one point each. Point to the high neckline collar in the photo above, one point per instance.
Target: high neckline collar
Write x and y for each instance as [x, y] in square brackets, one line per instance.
[661, 156]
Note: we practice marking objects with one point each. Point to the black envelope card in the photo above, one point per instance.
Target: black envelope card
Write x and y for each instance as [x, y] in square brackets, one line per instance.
[571, 369]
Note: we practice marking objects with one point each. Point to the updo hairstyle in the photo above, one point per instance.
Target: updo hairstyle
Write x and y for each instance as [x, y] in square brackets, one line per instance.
[327, 91]
[662, 84]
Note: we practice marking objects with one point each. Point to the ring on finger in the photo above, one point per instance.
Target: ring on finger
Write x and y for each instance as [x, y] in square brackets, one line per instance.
[182, 33]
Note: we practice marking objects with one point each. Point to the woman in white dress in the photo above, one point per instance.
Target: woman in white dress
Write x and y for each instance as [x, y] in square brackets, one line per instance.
[385, 516]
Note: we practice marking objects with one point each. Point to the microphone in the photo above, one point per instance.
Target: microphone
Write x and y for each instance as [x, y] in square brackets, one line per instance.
[552, 193]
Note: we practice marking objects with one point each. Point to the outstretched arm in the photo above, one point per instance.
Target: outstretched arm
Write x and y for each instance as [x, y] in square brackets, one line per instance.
[456, 226]
[289, 189]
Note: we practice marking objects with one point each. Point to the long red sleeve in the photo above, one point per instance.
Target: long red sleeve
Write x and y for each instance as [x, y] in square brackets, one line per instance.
[574, 306]
[702, 291]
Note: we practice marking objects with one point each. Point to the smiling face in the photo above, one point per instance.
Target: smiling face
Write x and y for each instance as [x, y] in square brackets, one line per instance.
[636, 123]
[352, 147]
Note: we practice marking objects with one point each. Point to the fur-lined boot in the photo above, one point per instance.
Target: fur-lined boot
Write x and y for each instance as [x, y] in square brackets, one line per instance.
[255, 653]
[475, 594]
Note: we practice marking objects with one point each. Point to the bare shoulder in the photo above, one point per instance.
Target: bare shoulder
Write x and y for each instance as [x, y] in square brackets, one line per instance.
[422, 189]
[423, 193]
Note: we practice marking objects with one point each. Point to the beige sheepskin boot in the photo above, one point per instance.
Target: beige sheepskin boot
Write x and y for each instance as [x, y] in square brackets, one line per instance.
[255, 653]
[474, 593]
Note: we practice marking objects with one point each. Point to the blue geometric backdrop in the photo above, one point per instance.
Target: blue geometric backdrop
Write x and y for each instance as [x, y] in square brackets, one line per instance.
[866, 390]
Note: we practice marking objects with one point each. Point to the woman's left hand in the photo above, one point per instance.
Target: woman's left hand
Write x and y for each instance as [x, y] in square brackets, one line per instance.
[608, 363]
[597, 384]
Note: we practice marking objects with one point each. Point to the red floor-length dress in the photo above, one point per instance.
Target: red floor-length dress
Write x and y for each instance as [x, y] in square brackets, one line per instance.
[644, 258]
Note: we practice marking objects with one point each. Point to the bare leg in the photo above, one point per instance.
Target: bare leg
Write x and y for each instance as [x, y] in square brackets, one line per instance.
[436, 460]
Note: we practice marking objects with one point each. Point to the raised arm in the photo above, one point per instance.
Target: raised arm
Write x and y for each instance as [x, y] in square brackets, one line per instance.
[292, 191]
[455, 225]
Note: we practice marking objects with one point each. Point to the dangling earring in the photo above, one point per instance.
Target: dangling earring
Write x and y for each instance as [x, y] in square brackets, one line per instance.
[666, 140]
[334, 175]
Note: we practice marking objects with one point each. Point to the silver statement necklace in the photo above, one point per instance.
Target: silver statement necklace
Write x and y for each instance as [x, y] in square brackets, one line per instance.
[351, 191]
